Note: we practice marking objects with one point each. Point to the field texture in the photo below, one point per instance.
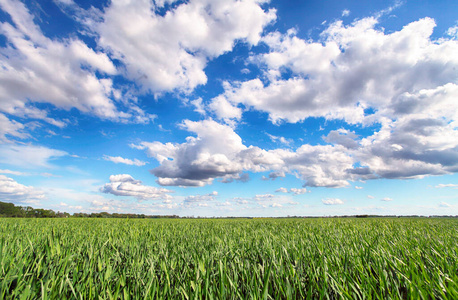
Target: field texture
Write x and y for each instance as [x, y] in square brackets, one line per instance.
[229, 259]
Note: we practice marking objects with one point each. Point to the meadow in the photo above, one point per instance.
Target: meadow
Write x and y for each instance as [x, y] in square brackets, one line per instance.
[371, 258]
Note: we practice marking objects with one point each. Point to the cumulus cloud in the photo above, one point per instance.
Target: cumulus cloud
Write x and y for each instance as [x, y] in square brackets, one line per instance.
[332, 201]
[37, 69]
[387, 199]
[294, 191]
[349, 69]
[218, 152]
[166, 47]
[200, 200]
[274, 175]
[282, 190]
[342, 137]
[12, 191]
[404, 82]
[119, 159]
[29, 156]
[126, 185]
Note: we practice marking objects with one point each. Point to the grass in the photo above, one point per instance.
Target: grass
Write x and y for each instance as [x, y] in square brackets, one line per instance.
[229, 259]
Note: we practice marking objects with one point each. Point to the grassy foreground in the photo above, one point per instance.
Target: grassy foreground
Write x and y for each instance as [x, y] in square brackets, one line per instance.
[229, 259]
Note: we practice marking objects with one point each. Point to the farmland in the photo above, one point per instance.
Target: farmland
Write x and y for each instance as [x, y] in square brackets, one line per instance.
[376, 258]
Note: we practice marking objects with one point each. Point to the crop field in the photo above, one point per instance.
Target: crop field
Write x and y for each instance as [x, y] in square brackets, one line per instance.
[389, 258]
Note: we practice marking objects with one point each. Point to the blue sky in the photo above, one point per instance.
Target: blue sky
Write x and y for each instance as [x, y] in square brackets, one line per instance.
[230, 108]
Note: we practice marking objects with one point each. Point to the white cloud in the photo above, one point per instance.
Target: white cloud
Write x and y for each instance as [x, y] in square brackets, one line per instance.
[17, 173]
[444, 204]
[280, 139]
[332, 201]
[358, 187]
[218, 152]
[170, 51]
[370, 197]
[200, 199]
[29, 156]
[263, 197]
[448, 185]
[294, 191]
[356, 67]
[345, 13]
[12, 191]
[350, 69]
[225, 110]
[126, 185]
[38, 69]
[199, 106]
[11, 128]
[118, 159]
[387, 199]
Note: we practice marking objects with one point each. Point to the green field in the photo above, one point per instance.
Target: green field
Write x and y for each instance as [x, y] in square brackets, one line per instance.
[229, 258]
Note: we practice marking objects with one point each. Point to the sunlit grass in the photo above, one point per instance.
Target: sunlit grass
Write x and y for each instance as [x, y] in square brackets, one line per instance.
[229, 259]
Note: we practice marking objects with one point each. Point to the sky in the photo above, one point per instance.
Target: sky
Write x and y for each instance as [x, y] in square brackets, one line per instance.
[230, 108]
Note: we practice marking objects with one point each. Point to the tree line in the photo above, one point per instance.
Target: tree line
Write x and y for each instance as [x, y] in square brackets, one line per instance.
[11, 210]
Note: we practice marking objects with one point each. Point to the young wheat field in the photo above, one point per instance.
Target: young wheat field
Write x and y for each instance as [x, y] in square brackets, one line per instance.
[373, 258]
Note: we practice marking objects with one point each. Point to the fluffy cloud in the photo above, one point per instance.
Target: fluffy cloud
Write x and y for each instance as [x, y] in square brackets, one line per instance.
[37, 69]
[294, 191]
[200, 200]
[404, 82]
[29, 156]
[11, 128]
[332, 201]
[407, 148]
[126, 185]
[119, 159]
[386, 199]
[280, 139]
[218, 152]
[12, 191]
[282, 190]
[165, 46]
[350, 69]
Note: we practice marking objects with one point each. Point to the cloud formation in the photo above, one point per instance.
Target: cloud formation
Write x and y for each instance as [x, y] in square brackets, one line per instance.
[65, 73]
[350, 69]
[29, 156]
[12, 191]
[218, 152]
[332, 201]
[126, 185]
[200, 200]
[165, 46]
[405, 82]
[121, 160]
